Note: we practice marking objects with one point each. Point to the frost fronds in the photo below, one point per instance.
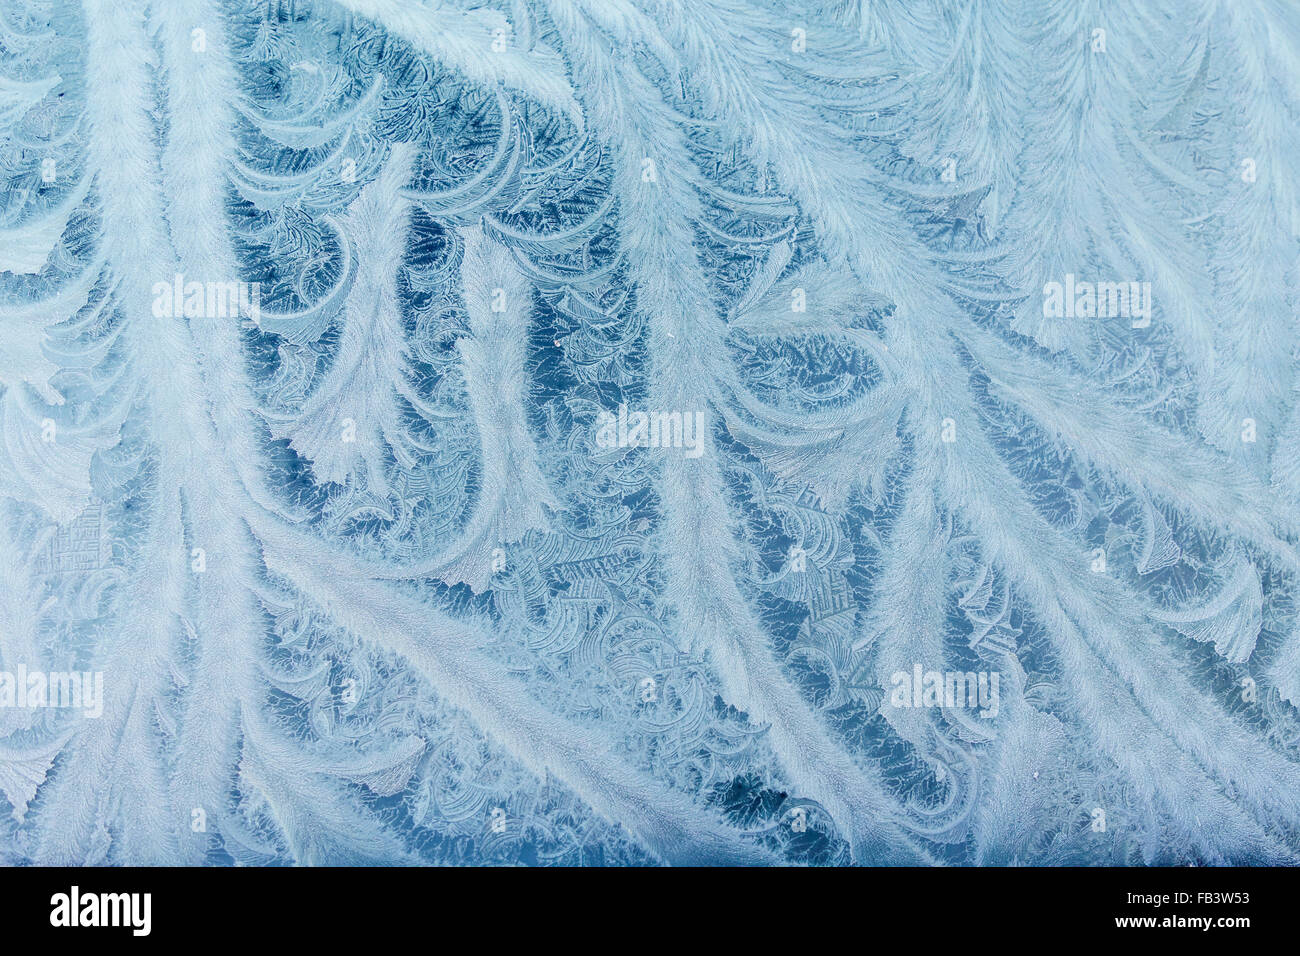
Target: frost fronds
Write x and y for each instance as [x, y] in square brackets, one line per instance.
[626, 432]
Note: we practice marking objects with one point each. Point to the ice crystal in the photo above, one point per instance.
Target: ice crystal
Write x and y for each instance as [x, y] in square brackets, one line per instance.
[649, 431]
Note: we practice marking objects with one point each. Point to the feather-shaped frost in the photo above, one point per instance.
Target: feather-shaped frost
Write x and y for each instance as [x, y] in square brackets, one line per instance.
[643, 431]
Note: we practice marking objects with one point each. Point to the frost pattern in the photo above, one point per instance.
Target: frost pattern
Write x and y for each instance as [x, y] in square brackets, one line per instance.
[367, 584]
